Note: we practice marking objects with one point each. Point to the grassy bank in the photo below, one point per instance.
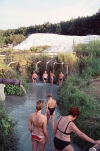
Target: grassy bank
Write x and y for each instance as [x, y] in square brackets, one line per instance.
[82, 90]
[89, 120]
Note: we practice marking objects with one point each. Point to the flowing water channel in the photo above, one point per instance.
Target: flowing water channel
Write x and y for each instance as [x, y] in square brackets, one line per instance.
[20, 108]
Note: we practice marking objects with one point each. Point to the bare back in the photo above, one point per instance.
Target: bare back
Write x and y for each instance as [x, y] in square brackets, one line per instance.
[62, 126]
[51, 103]
[38, 120]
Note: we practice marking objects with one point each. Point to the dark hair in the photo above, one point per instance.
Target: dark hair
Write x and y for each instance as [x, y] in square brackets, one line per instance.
[74, 111]
[50, 95]
[39, 104]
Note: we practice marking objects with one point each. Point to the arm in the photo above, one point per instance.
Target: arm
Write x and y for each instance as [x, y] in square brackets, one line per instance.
[43, 76]
[30, 124]
[55, 104]
[45, 128]
[83, 135]
[55, 126]
[53, 75]
[46, 107]
[47, 76]
[32, 77]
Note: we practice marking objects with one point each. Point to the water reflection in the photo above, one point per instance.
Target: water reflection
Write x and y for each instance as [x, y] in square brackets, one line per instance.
[20, 108]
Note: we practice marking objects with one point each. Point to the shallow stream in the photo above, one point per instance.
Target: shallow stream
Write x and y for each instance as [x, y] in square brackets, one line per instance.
[20, 108]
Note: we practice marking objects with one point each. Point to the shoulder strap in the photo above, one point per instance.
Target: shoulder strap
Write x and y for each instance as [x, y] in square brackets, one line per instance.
[59, 121]
[67, 125]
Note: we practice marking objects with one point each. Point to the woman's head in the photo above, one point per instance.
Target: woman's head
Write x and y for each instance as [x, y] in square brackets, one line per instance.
[74, 111]
[50, 95]
[39, 104]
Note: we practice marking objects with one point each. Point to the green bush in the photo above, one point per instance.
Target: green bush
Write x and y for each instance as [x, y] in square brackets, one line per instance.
[7, 138]
[93, 68]
[86, 49]
[16, 89]
[13, 90]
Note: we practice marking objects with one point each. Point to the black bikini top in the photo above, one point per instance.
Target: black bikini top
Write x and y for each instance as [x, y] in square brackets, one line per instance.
[65, 128]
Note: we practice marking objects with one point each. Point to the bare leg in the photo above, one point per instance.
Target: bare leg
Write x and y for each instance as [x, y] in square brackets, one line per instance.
[52, 118]
[34, 145]
[51, 81]
[59, 82]
[42, 144]
[44, 81]
[68, 148]
[48, 117]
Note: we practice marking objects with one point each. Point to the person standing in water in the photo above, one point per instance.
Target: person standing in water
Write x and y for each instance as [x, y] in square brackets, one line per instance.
[45, 77]
[37, 125]
[50, 109]
[51, 77]
[64, 127]
[34, 76]
[60, 79]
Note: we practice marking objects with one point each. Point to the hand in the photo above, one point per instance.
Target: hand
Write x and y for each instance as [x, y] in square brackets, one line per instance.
[48, 139]
[97, 142]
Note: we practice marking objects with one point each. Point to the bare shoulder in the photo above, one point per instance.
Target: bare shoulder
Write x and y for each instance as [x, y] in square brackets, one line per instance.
[73, 126]
[55, 101]
[31, 114]
[44, 117]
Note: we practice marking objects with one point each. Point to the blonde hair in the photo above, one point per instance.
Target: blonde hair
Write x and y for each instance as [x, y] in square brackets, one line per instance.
[39, 104]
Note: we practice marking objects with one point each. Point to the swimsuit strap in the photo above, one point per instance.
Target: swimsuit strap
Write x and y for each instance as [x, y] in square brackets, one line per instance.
[67, 126]
[59, 120]
[65, 129]
[36, 111]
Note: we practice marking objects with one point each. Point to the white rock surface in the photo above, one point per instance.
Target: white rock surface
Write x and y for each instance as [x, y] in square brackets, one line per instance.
[57, 42]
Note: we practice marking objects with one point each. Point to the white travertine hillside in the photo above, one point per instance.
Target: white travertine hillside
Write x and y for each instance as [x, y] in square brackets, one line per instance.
[57, 42]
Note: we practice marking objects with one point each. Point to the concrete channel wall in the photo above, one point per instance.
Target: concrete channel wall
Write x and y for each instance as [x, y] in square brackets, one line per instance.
[2, 94]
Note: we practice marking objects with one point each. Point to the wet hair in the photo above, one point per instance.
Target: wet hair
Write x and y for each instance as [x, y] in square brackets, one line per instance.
[50, 95]
[74, 111]
[39, 104]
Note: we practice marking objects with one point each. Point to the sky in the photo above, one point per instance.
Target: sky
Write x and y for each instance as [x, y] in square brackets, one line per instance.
[24, 13]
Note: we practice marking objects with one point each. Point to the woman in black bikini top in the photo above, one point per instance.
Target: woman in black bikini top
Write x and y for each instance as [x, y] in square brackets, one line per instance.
[62, 138]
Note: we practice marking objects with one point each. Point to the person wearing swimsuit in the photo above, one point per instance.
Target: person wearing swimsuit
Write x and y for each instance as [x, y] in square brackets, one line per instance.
[50, 109]
[37, 125]
[60, 80]
[64, 127]
[51, 77]
[45, 77]
[34, 76]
